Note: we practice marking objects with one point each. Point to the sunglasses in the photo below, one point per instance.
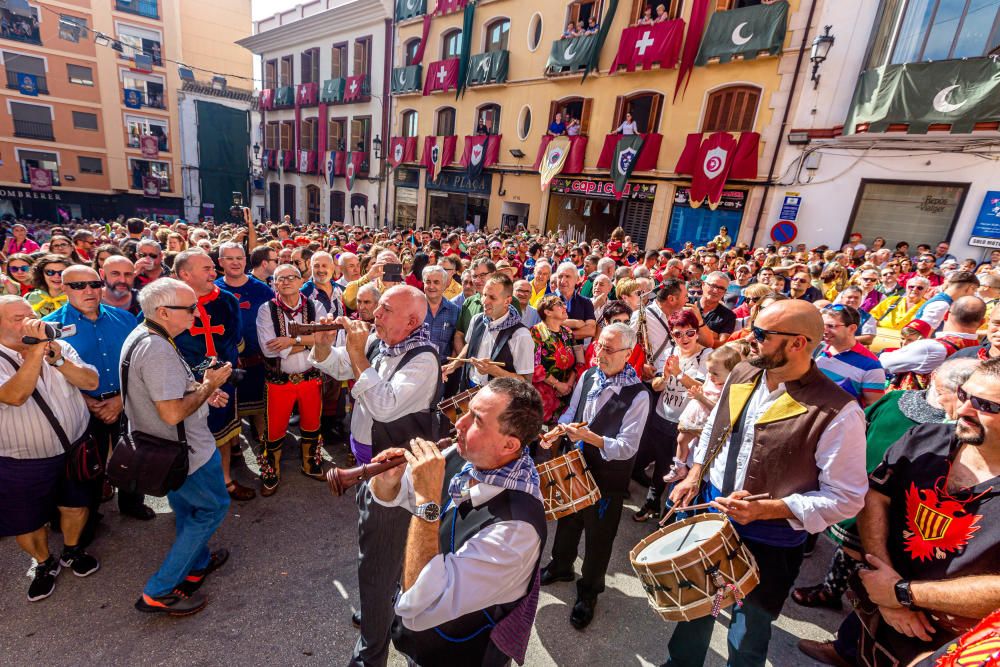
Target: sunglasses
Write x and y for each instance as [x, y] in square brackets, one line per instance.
[147, 255]
[19, 269]
[761, 334]
[54, 272]
[83, 284]
[190, 309]
[916, 288]
[689, 333]
[978, 404]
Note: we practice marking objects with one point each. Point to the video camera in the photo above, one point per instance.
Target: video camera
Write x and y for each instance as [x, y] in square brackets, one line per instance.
[236, 210]
[53, 331]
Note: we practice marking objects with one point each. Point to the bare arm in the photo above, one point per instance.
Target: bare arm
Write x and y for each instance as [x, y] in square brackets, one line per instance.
[18, 389]
[971, 597]
[873, 524]
[422, 544]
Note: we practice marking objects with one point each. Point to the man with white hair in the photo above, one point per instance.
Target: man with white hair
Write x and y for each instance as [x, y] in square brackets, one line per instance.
[582, 321]
[320, 286]
[717, 322]
[149, 263]
[442, 314]
[350, 269]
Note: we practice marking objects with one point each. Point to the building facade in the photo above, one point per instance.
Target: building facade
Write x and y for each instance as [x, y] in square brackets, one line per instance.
[520, 71]
[325, 78]
[92, 121]
[899, 139]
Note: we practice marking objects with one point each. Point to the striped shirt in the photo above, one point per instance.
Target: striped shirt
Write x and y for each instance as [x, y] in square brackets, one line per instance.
[856, 370]
[25, 433]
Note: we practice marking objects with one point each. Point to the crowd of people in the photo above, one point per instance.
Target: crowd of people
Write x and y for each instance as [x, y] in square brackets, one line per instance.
[857, 387]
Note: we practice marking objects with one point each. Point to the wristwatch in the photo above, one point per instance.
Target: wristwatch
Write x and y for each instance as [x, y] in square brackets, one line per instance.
[904, 595]
[429, 512]
[298, 340]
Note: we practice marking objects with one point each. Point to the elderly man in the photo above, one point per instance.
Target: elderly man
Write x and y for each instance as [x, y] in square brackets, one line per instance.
[611, 399]
[442, 315]
[33, 478]
[717, 323]
[101, 331]
[350, 269]
[368, 298]
[784, 428]
[375, 273]
[165, 400]
[216, 336]
[395, 369]
[320, 286]
[148, 263]
[522, 293]
[118, 274]
[580, 311]
[935, 309]
[452, 264]
[897, 311]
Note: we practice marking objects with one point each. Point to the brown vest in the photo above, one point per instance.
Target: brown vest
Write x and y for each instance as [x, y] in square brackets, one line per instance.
[783, 460]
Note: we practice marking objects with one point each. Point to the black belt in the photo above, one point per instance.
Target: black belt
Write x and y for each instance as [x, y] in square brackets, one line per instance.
[278, 377]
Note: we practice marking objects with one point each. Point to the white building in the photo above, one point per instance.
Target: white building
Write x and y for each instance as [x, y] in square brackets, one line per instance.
[919, 158]
[325, 89]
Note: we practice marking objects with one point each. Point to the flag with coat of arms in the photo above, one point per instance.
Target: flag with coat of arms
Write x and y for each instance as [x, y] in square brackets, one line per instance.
[554, 160]
[626, 155]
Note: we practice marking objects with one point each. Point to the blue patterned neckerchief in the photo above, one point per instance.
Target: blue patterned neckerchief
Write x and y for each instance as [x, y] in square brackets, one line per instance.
[518, 475]
[420, 336]
[511, 319]
[625, 378]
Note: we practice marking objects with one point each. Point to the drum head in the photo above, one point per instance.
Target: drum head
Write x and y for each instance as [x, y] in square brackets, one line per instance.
[682, 539]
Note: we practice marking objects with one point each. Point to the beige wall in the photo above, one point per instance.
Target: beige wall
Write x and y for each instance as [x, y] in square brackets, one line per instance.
[209, 31]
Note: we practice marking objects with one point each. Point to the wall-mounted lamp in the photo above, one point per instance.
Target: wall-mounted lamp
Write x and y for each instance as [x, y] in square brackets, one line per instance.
[820, 50]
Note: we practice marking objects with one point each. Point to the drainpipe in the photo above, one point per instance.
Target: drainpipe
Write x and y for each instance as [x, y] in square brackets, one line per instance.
[390, 40]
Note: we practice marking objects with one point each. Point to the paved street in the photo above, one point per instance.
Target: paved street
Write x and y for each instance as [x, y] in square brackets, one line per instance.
[286, 595]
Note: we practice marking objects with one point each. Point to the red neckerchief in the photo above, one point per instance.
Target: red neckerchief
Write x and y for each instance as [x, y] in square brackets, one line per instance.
[291, 312]
[983, 354]
[208, 298]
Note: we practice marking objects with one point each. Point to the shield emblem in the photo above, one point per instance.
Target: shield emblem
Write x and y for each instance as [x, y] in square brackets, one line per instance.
[715, 162]
[435, 154]
[625, 160]
[350, 171]
[397, 153]
[477, 154]
[931, 524]
[555, 155]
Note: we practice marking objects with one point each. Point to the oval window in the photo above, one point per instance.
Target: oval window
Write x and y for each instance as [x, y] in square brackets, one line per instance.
[524, 122]
[535, 31]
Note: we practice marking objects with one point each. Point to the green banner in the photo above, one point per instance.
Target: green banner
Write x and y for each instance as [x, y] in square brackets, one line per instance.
[571, 55]
[744, 32]
[333, 90]
[284, 96]
[223, 137]
[959, 93]
[489, 67]
[407, 79]
[407, 9]
[602, 35]
[626, 155]
[468, 19]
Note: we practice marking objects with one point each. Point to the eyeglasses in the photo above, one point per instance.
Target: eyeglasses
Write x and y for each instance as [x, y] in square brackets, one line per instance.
[869, 279]
[83, 284]
[599, 346]
[687, 333]
[147, 255]
[761, 334]
[190, 309]
[800, 280]
[53, 246]
[978, 404]
[18, 269]
[54, 272]
[916, 288]
[286, 279]
[716, 287]
[889, 275]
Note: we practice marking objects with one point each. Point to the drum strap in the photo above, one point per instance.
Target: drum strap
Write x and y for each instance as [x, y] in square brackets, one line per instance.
[735, 444]
[721, 440]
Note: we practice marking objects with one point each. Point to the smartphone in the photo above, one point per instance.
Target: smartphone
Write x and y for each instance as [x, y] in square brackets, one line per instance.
[392, 273]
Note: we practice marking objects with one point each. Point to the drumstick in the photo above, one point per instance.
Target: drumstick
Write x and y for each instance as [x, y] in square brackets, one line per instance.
[705, 506]
[469, 361]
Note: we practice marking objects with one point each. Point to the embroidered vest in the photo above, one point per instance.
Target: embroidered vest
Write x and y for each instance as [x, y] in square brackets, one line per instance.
[280, 323]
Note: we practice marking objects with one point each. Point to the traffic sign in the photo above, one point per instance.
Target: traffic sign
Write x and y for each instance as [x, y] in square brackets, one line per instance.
[784, 232]
[790, 207]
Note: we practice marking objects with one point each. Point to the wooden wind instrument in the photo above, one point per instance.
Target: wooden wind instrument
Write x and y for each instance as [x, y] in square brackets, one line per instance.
[298, 329]
[558, 431]
[341, 479]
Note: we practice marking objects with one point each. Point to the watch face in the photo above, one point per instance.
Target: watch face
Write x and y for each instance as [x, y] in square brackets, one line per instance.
[430, 512]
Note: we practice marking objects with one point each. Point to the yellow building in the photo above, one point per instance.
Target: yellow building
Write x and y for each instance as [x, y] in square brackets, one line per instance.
[79, 102]
[745, 94]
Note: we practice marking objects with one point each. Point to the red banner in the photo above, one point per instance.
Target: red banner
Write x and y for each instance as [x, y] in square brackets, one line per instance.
[402, 149]
[745, 160]
[699, 15]
[149, 145]
[471, 142]
[449, 6]
[686, 162]
[354, 88]
[574, 161]
[41, 179]
[646, 45]
[266, 99]
[647, 158]
[715, 160]
[493, 150]
[150, 186]
[288, 160]
[307, 162]
[306, 94]
[323, 127]
[441, 147]
[339, 163]
[441, 75]
[418, 57]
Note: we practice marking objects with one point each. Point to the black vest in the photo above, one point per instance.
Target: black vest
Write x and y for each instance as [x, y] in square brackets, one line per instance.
[500, 352]
[612, 477]
[465, 640]
[422, 422]
[280, 323]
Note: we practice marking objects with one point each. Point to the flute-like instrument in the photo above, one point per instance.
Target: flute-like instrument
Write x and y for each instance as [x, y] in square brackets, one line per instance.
[559, 430]
[705, 506]
[469, 361]
[341, 479]
[298, 329]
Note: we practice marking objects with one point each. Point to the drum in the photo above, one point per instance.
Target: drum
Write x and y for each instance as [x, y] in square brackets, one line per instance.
[886, 338]
[567, 485]
[453, 408]
[694, 568]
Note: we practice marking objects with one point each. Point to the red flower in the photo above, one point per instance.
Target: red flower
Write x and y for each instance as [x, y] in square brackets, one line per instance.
[564, 357]
[539, 375]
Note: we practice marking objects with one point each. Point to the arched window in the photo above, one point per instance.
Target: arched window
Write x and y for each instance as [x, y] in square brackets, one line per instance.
[488, 119]
[337, 207]
[645, 109]
[409, 124]
[497, 35]
[572, 107]
[451, 44]
[312, 203]
[731, 109]
[410, 50]
[445, 125]
[289, 201]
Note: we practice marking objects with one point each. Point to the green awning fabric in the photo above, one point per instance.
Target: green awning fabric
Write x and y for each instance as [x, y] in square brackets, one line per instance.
[284, 96]
[333, 90]
[223, 160]
[407, 79]
[959, 93]
[407, 9]
[489, 67]
[744, 32]
[571, 55]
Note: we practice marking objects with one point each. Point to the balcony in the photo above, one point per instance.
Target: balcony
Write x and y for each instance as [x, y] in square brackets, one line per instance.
[407, 79]
[14, 83]
[643, 46]
[163, 145]
[284, 97]
[26, 172]
[147, 8]
[30, 129]
[18, 27]
[572, 55]
[489, 67]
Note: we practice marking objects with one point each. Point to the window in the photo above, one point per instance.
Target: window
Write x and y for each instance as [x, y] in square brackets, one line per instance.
[582, 10]
[903, 210]
[271, 74]
[312, 204]
[38, 160]
[289, 199]
[361, 129]
[274, 201]
[17, 64]
[941, 29]
[307, 142]
[451, 44]
[286, 71]
[488, 119]
[524, 122]
[410, 50]
[731, 109]
[32, 121]
[138, 41]
[137, 126]
[142, 168]
[72, 28]
[80, 75]
[20, 25]
[497, 35]
[151, 87]
[84, 121]
[90, 165]
[572, 107]
[310, 66]
[145, 8]
[535, 31]
[645, 109]
[674, 8]
[338, 61]
[409, 124]
[287, 135]
[272, 136]
[335, 135]
[337, 206]
[445, 126]
[362, 56]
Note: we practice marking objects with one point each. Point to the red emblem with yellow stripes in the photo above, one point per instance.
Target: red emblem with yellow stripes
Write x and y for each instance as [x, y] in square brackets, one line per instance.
[931, 524]
[936, 525]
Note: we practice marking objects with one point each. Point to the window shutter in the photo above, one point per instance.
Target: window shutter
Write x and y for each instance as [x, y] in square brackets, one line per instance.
[619, 116]
[654, 114]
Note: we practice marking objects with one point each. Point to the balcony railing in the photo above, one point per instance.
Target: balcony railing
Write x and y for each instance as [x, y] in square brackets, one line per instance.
[14, 83]
[29, 129]
[147, 8]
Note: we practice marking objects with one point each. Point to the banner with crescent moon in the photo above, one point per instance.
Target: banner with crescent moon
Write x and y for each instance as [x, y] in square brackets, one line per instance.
[959, 93]
[408, 9]
[745, 32]
[407, 79]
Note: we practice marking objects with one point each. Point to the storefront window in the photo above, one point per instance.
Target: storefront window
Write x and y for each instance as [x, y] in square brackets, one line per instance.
[701, 225]
[923, 212]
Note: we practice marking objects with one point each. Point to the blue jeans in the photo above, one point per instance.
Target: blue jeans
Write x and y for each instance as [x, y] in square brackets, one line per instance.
[199, 507]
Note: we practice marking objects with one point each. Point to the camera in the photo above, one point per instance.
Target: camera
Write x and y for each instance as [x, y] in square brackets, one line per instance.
[53, 331]
[236, 210]
[237, 376]
[393, 273]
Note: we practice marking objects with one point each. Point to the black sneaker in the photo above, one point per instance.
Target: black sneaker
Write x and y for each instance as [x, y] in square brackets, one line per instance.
[78, 560]
[43, 582]
[177, 603]
[195, 578]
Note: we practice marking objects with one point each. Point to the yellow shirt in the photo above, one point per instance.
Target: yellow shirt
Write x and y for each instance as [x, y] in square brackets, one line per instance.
[536, 296]
[453, 290]
[892, 313]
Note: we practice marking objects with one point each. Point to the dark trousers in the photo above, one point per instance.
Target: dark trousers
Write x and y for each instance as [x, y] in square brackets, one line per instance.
[381, 546]
[750, 628]
[658, 446]
[106, 436]
[599, 523]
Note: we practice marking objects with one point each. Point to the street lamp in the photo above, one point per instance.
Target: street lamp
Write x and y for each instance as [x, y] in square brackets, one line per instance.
[256, 151]
[820, 50]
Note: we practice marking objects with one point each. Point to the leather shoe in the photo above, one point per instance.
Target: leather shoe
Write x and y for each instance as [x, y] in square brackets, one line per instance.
[549, 577]
[583, 613]
[140, 512]
[822, 652]
[356, 619]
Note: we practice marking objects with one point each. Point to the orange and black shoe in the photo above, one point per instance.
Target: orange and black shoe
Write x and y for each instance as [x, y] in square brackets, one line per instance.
[196, 578]
[177, 603]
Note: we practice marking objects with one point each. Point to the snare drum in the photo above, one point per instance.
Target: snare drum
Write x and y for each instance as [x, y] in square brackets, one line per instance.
[567, 485]
[694, 568]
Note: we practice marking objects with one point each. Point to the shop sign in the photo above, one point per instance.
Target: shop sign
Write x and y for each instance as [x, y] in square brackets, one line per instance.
[17, 193]
[732, 200]
[407, 178]
[460, 181]
[986, 230]
[589, 187]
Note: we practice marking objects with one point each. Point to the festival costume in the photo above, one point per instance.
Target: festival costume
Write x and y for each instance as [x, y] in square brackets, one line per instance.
[251, 296]
[917, 381]
[892, 313]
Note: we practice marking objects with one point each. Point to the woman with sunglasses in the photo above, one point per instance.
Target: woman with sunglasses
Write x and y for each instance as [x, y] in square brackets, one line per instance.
[19, 270]
[896, 312]
[46, 275]
[752, 296]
